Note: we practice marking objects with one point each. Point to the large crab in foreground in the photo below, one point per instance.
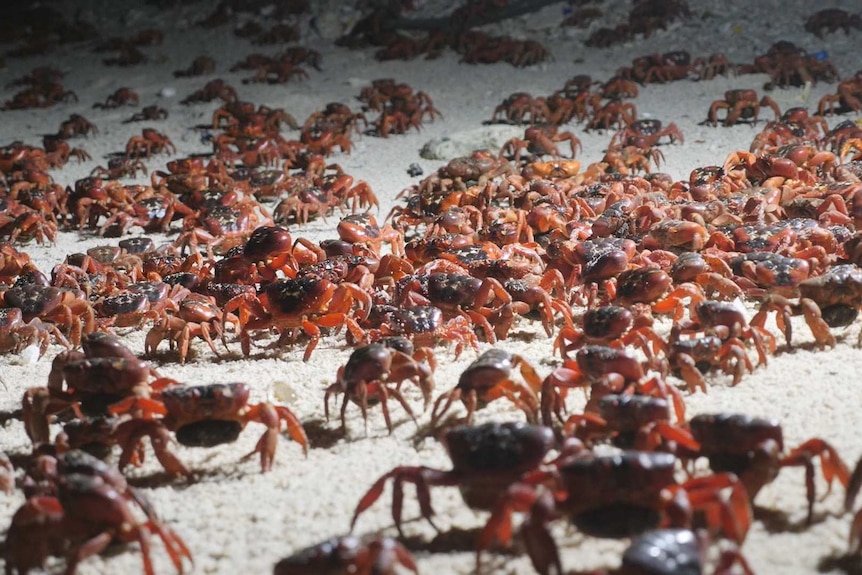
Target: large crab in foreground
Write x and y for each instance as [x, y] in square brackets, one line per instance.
[752, 448]
[202, 416]
[89, 506]
[613, 496]
[86, 382]
[486, 460]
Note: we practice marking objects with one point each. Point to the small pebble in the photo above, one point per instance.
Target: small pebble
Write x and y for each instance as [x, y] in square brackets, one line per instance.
[167, 92]
[414, 170]
[283, 392]
[29, 355]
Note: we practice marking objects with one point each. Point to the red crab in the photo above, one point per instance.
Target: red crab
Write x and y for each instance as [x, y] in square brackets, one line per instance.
[831, 20]
[202, 416]
[847, 97]
[740, 104]
[540, 141]
[828, 300]
[121, 97]
[305, 303]
[197, 315]
[486, 460]
[515, 109]
[423, 325]
[370, 372]
[645, 134]
[148, 143]
[67, 308]
[674, 551]
[87, 382]
[613, 496]
[612, 325]
[488, 378]
[752, 448]
[91, 506]
[348, 555]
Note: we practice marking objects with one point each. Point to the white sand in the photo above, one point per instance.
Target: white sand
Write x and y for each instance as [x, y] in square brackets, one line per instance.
[237, 520]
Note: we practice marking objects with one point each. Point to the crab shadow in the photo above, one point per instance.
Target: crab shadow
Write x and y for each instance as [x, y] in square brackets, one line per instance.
[457, 540]
[847, 563]
[321, 435]
[775, 521]
[198, 475]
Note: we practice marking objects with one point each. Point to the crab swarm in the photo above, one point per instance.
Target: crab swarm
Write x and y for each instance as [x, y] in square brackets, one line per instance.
[634, 278]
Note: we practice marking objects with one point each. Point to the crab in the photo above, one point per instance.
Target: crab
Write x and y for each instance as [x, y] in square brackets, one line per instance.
[847, 97]
[457, 294]
[222, 227]
[518, 106]
[200, 66]
[196, 315]
[677, 551]
[828, 300]
[831, 20]
[119, 167]
[790, 65]
[16, 335]
[614, 496]
[491, 49]
[365, 377]
[645, 134]
[618, 88]
[364, 229]
[772, 273]
[26, 225]
[87, 382]
[725, 321]
[140, 302]
[611, 325]
[605, 370]
[212, 90]
[689, 356]
[148, 143]
[58, 151]
[630, 421]
[486, 460]
[202, 416]
[68, 309]
[423, 325]
[305, 303]
[613, 113]
[668, 67]
[90, 507]
[486, 379]
[76, 125]
[14, 264]
[714, 65]
[853, 487]
[628, 160]
[121, 97]
[740, 105]
[752, 448]
[146, 114]
[347, 555]
[540, 141]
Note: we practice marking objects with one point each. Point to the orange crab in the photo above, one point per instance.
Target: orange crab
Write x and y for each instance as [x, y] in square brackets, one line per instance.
[304, 303]
[201, 416]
